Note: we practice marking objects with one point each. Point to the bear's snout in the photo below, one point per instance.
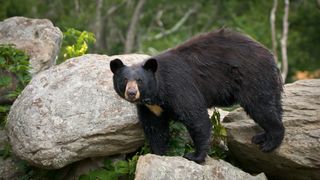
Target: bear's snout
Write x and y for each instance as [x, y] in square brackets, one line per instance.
[132, 91]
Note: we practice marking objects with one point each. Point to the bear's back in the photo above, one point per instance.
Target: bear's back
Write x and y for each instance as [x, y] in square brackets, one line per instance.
[225, 60]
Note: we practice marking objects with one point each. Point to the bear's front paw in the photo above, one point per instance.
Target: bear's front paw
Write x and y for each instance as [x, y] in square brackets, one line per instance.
[194, 157]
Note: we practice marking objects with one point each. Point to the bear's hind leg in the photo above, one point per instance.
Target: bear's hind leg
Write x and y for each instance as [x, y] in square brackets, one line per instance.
[268, 116]
[199, 128]
[156, 129]
[201, 139]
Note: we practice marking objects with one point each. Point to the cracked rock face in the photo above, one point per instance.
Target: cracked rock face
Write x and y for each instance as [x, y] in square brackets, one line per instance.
[299, 155]
[153, 167]
[71, 112]
[38, 37]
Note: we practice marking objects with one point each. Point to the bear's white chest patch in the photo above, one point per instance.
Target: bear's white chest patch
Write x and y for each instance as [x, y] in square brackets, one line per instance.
[157, 110]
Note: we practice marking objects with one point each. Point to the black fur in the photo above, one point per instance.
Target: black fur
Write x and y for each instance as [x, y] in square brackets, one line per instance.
[215, 69]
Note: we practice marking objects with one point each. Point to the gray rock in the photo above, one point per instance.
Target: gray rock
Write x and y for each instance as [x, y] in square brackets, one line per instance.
[153, 167]
[71, 112]
[299, 155]
[38, 37]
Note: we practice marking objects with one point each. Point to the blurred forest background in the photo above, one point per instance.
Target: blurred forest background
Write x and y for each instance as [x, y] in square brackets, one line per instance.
[152, 26]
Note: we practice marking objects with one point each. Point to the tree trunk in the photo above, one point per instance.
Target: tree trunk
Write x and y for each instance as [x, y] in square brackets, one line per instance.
[284, 40]
[130, 38]
[77, 5]
[273, 29]
[98, 25]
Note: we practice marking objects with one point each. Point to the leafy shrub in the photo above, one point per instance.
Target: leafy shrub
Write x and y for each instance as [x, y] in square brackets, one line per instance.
[219, 134]
[14, 66]
[75, 43]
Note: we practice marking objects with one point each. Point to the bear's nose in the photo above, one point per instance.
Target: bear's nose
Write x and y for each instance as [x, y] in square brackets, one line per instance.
[132, 93]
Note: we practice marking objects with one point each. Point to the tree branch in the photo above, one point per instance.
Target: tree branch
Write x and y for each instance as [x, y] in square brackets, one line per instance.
[158, 18]
[284, 40]
[114, 8]
[177, 26]
[133, 26]
[273, 29]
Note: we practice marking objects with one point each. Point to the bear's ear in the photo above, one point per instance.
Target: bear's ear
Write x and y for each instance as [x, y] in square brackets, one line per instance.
[151, 65]
[115, 65]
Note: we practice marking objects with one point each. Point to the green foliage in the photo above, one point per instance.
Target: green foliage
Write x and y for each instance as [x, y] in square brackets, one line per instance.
[28, 172]
[180, 143]
[14, 66]
[14, 76]
[219, 135]
[124, 169]
[76, 43]
[5, 151]
[14, 61]
[4, 109]
[219, 132]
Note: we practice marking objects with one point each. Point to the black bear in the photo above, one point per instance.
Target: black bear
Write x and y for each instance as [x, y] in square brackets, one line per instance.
[215, 69]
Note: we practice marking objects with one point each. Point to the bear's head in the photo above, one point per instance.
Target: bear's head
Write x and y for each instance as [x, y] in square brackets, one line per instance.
[136, 83]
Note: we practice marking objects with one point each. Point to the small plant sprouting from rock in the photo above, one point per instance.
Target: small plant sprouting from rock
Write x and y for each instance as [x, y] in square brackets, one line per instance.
[14, 76]
[76, 43]
[219, 134]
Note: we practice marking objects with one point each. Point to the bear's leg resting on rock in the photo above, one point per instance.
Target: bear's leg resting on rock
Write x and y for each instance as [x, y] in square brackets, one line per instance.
[269, 119]
[200, 132]
[156, 129]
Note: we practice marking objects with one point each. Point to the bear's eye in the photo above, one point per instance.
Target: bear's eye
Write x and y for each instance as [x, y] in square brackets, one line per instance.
[139, 81]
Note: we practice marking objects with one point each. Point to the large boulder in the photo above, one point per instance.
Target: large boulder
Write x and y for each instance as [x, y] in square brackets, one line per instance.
[299, 155]
[153, 167]
[38, 37]
[71, 112]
